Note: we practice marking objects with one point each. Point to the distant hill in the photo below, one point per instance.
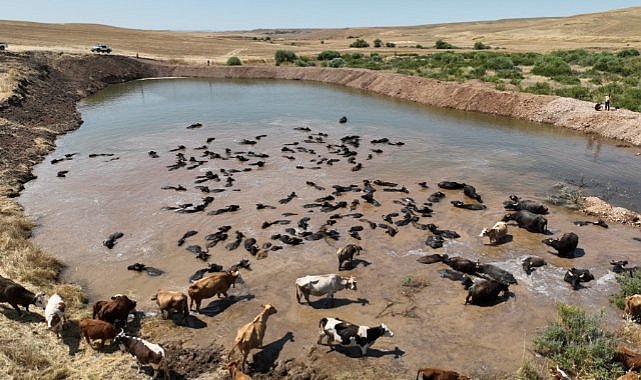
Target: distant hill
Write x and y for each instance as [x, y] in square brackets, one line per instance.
[612, 30]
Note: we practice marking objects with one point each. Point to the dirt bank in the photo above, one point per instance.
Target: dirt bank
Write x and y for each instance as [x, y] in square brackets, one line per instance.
[472, 96]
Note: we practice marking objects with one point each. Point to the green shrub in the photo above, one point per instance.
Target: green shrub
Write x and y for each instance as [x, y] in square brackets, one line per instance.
[628, 53]
[628, 285]
[524, 59]
[440, 44]
[328, 55]
[514, 73]
[499, 63]
[551, 66]
[573, 57]
[576, 92]
[478, 45]
[577, 343]
[336, 62]
[541, 88]
[629, 99]
[608, 62]
[301, 62]
[233, 61]
[378, 43]
[284, 56]
[567, 79]
[390, 44]
[359, 43]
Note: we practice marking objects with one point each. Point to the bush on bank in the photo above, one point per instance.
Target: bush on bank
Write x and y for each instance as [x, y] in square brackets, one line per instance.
[576, 73]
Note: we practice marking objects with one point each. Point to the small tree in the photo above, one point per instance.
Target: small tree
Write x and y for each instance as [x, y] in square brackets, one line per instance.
[284, 56]
[440, 44]
[478, 45]
[328, 55]
[359, 43]
[378, 43]
[233, 61]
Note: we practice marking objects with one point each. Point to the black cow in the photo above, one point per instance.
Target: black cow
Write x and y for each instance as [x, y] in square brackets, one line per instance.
[564, 246]
[16, 295]
[146, 353]
[531, 262]
[470, 191]
[346, 255]
[516, 204]
[349, 334]
[461, 264]
[575, 276]
[528, 220]
[495, 273]
[620, 267]
[485, 292]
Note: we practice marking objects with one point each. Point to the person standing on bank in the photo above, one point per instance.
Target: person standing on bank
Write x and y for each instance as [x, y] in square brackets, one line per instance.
[607, 102]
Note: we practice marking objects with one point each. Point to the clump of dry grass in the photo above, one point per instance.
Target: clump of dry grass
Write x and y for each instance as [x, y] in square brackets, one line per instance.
[8, 80]
[22, 261]
[27, 349]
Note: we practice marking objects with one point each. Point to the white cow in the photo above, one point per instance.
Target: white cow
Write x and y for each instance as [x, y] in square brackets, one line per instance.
[496, 233]
[323, 284]
[55, 313]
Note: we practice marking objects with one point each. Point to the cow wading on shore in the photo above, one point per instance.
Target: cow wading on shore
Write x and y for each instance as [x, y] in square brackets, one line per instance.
[348, 334]
[326, 284]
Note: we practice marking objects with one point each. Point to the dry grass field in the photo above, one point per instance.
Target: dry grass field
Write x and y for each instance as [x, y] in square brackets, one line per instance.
[610, 30]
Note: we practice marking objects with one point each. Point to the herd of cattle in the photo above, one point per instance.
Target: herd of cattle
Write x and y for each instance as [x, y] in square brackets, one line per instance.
[486, 284]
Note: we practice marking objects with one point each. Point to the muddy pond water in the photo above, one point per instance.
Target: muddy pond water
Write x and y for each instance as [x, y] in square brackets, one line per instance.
[265, 140]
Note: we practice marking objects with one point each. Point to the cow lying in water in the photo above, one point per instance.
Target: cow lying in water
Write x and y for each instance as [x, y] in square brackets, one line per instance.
[516, 204]
[528, 220]
[565, 245]
[575, 276]
[348, 334]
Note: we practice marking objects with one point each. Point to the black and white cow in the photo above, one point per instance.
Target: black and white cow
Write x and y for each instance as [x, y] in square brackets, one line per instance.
[348, 334]
[146, 353]
[574, 276]
[528, 220]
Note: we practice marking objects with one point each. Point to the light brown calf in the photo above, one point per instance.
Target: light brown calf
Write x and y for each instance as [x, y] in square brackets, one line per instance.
[251, 335]
[169, 301]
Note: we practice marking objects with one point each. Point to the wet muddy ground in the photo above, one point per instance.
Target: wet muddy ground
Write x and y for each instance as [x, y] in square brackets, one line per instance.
[101, 195]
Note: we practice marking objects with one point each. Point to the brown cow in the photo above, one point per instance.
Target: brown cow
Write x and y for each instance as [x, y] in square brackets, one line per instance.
[629, 376]
[97, 329]
[169, 301]
[439, 374]
[633, 307]
[216, 284]
[630, 359]
[235, 373]
[115, 310]
[251, 335]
